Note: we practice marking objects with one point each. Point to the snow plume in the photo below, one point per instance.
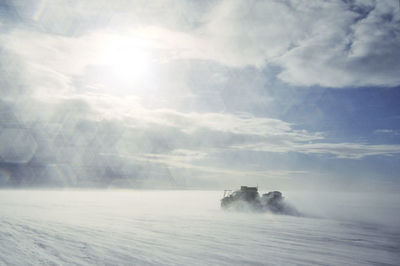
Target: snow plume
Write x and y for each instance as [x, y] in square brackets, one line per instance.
[248, 200]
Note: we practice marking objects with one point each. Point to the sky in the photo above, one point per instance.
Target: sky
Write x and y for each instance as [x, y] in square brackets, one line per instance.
[200, 94]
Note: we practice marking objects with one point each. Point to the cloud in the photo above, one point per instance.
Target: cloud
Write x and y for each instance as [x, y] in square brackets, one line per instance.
[337, 150]
[18, 146]
[330, 43]
[75, 142]
[79, 141]
[78, 125]
[387, 131]
[359, 50]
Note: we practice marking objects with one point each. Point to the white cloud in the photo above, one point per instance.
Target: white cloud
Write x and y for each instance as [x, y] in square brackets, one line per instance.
[337, 150]
[56, 88]
[329, 43]
[348, 53]
[326, 43]
[206, 132]
[349, 150]
[387, 131]
[185, 163]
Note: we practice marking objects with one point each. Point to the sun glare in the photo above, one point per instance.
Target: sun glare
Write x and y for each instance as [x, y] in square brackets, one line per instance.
[128, 60]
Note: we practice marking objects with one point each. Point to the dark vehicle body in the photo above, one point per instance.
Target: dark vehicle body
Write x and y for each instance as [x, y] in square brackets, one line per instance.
[248, 198]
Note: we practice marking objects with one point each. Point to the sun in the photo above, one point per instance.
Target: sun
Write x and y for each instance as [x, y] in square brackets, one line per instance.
[128, 60]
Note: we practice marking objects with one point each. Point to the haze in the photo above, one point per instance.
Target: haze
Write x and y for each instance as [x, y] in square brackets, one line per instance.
[197, 97]
[200, 94]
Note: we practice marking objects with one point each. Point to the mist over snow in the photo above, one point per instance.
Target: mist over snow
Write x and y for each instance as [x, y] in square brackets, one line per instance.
[187, 228]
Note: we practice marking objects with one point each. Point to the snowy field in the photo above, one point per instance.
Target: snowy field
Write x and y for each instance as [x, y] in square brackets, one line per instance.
[188, 228]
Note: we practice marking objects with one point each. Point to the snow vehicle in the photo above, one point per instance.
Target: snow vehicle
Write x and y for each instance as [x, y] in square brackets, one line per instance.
[248, 198]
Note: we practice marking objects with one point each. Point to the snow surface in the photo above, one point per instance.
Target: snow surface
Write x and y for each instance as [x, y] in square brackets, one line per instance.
[188, 228]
